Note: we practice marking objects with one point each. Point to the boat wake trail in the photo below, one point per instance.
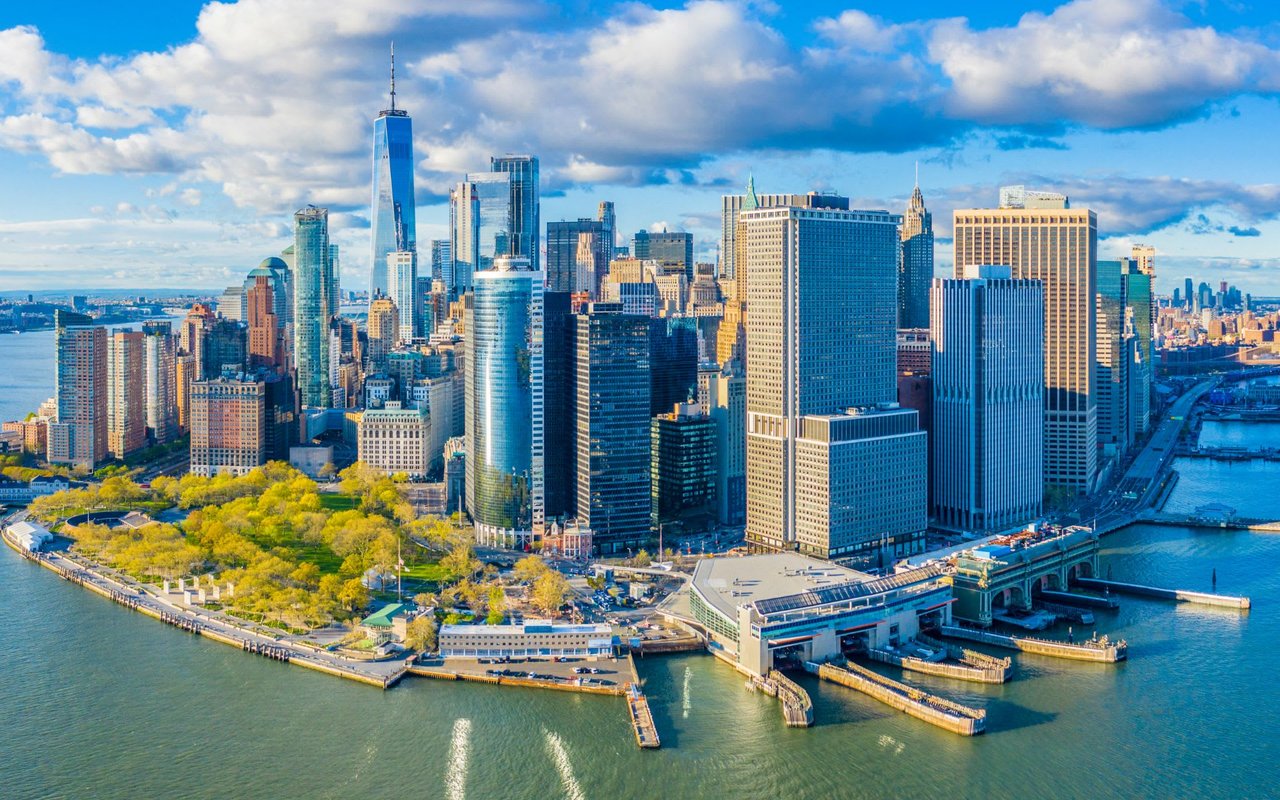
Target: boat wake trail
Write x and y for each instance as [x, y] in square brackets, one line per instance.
[560, 757]
[686, 704]
[455, 778]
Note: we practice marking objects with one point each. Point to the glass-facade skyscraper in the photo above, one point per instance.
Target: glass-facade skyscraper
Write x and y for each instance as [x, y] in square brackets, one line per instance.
[315, 302]
[525, 205]
[504, 403]
[393, 205]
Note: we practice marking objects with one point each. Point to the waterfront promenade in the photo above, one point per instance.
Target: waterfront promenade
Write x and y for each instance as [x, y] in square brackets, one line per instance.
[211, 625]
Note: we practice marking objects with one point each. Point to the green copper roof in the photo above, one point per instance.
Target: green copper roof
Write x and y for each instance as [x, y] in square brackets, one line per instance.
[383, 616]
[751, 202]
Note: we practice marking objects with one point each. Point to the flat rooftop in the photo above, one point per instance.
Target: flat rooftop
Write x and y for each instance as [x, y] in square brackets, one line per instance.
[727, 583]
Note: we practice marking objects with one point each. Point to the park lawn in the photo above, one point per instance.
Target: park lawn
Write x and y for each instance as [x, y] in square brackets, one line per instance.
[338, 501]
[428, 573]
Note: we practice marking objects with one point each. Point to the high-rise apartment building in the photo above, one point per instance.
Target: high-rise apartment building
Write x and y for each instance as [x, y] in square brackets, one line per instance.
[611, 427]
[228, 426]
[315, 303]
[1042, 238]
[159, 380]
[731, 205]
[393, 210]
[266, 330]
[402, 288]
[915, 264]
[184, 376]
[79, 434]
[126, 408]
[988, 401]
[504, 403]
[821, 356]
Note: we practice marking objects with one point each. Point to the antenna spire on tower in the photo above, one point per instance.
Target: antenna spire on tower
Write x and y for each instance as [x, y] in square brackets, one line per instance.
[393, 76]
[917, 170]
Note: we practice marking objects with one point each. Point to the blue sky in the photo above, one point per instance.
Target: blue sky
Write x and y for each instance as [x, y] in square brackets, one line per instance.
[152, 144]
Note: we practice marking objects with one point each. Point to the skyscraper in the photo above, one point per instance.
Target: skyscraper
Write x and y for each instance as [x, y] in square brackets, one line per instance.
[915, 267]
[731, 205]
[480, 225]
[988, 401]
[441, 258]
[126, 410]
[266, 331]
[668, 248]
[504, 403]
[559, 352]
[402, 288]
[393, 212]
[1114, 357]
[79, 436]
[1141, 311]
[726, 401]
[383, 331]
[315, 302]
[827, 471]
[526, 218]
[1042, 238]
[611, 427]
[578, 254]
[682, 471]
[159, 379]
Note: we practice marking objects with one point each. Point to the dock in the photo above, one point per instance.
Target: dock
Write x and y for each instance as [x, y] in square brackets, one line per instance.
[930, 708]
[1181, 595]
[797, 707]
[1103, 650]
[965, 665]
[642, 718]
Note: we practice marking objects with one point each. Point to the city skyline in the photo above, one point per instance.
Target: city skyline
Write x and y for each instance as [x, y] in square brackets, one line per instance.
[128, 173]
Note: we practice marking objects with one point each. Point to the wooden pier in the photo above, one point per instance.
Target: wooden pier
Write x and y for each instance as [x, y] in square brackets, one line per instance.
[965, 665]
[797, 707]
[1103, 650]
[1182, 595]
[642, 718]
[920, 704]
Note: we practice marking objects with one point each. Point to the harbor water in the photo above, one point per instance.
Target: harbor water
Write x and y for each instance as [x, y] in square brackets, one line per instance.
[101, 702]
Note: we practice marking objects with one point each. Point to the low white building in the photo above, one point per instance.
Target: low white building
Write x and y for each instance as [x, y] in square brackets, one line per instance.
[533, 638]
[29, 536]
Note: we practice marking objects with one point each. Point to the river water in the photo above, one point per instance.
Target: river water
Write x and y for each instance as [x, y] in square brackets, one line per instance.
[101, 702]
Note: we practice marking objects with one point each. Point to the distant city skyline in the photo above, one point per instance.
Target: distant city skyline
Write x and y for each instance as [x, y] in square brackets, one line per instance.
[185, 141]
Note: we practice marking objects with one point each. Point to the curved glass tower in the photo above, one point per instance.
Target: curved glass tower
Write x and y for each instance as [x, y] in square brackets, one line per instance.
[393, 206]
[504, 399]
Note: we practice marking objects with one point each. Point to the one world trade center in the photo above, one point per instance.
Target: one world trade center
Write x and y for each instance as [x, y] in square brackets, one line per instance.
[393, 210]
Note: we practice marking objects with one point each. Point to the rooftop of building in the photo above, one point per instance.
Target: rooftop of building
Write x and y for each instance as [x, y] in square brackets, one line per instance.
[382, 617]
[528, 626]
[727, 583]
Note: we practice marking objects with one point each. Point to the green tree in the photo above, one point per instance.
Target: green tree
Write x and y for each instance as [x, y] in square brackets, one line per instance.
[421, 633]
[460, 562]
[497, 606]
[529, 569]
[642, 559]
[550, 592]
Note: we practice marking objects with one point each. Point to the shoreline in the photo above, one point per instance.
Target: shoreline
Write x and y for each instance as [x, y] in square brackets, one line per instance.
[380, 674]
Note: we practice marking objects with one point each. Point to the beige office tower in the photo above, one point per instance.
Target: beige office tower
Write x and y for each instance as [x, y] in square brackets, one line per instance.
[1145, 255]
[1042, 238]
[384, 332]
[184, 374]
[126, 409]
